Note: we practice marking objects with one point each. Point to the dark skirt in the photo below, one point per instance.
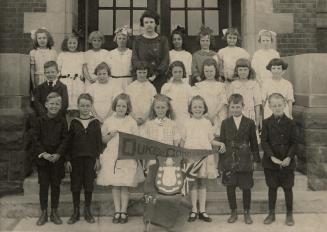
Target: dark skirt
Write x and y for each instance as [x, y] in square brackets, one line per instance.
[279, 178]
[243, 180]
[83, 174]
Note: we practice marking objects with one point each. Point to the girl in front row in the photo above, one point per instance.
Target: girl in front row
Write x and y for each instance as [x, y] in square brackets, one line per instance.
[198, 134]
[121, 174]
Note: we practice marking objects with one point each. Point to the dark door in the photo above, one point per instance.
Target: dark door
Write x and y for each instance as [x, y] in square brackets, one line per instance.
[107, 15]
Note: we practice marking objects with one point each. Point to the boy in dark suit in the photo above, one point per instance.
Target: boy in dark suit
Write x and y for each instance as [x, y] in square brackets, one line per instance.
[278, 141]
[52, 84]
[49, 133]
[238, 133]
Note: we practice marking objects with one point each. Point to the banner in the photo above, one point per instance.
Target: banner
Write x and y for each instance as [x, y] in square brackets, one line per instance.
[136, 147]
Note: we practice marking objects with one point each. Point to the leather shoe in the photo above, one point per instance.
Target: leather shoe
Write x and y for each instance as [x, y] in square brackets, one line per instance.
[204, 217]
[270, 218]
[289, 219]
[43, 218]
[88, 216]
[233, 216]
[75, 217]
[54, 217]
[247, 217]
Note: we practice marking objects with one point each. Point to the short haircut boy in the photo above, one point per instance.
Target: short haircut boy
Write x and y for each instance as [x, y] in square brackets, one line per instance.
[85, 96]
[235, 99]
[53, 95]
[51, 63]
[102, 66]
[277, 62]
[276, 96]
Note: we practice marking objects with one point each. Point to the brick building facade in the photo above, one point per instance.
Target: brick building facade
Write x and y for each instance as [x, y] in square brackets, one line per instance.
[301, 26]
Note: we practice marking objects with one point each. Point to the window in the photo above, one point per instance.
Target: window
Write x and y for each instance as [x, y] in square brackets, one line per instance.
[191, 14]
[117, 13]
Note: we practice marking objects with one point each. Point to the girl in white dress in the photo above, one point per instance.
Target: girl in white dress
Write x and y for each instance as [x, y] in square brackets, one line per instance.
[262, 56]
[121, 174]
[277, 84]
[179, 91]
[141, 92]
[94, 56]
[42, 53]
[247, 86]
[70, 62]
[120, 59]
[213, 92]
[178, 38]
[103, 93]
[230, 54]
[199, 134]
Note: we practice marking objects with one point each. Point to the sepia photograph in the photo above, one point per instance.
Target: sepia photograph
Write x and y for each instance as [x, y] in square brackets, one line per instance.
[163, 115]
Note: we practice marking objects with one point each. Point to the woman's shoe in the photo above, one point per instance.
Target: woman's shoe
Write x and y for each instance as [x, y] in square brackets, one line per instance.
[123, 218]
[192, 217]
[204, 217]
[116, 218]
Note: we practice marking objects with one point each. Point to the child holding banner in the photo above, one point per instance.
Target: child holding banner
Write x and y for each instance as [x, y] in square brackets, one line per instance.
[199, 134]
[121, 174]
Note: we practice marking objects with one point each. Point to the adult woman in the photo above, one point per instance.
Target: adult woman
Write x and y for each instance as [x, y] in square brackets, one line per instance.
[153, 48]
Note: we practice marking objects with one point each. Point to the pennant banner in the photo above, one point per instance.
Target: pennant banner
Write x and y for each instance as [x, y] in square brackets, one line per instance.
[136, 147]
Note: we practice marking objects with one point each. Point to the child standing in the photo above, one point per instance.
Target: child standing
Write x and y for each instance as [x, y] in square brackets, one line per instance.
[205, 40]
[103, 92]
[213, 92]
[51, 85]
[42, 52]
[70, 62]
[121, 174]
[230, 54]
[94, 56]
[84, 146]
[179, 91]
[262, 57]
[178, 39]
[238, 133]
[141, 92]
[248, 87]
[278, 141]
[198, 134]
[120, 59]
[277, 84]
[50, 132]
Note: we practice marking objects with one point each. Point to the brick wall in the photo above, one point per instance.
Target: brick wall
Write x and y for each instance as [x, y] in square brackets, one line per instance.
[304, 38]
[12, 36]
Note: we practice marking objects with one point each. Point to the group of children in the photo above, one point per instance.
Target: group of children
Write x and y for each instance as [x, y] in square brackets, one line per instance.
[209, 99]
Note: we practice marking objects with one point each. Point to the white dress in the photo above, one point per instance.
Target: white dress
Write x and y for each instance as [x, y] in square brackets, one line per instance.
[229, 56]
[39, 57]
[92, 59]
[186, 58]
[214, 94]
[260, 60]
[70, 66]
[103, 96]
[118, 172]
[181, 94]
[141, 94]
[198, 134]
[251, 92]
[282, 86]
[121, 67]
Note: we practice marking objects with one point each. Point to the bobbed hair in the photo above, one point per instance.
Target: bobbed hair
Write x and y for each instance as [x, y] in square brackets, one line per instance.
[197, 98]
[50, 42]
[244, 63]
[141, 65]
[277, 62]
[124, 97]
[150, 14]
[176, 63]
[96, 34]
[102, 66]
[64, 44]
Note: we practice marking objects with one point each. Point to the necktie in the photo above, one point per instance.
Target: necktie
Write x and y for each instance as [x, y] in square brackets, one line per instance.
[51, 83]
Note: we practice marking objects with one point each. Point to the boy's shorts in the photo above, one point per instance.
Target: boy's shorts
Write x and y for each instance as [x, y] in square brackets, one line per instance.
[83, 174]
[50, 173]
[279, 178]
[243, 180]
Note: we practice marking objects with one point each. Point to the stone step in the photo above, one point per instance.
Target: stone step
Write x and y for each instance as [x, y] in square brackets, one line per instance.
[31, 185]
[20, 206]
